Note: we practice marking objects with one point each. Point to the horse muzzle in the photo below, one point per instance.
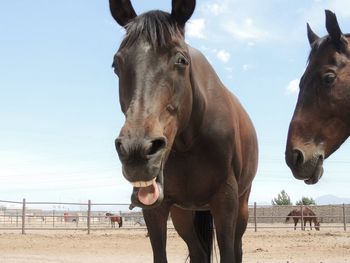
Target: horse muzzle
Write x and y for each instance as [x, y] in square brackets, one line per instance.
[143, 167]
[309, 169]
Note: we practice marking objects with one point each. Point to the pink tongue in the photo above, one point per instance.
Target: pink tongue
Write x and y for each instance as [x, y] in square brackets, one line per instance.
[148, 195]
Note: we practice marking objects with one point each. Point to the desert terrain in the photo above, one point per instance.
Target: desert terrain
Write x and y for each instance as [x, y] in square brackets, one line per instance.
[132, 246]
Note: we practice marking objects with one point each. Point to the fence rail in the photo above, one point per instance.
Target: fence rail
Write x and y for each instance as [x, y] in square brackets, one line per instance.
[88, 216]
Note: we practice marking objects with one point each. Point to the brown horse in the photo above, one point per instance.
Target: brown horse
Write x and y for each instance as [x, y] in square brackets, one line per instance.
[71, 217]
[308, 216]
[187, 145]
[320, 123]
[115, 218]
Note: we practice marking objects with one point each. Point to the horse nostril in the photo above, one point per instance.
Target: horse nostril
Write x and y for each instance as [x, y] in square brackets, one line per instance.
[298, 158]
[119, 146]
[157, 145]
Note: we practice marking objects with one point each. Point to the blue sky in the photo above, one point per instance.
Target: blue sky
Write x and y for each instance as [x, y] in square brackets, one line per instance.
[59, 101]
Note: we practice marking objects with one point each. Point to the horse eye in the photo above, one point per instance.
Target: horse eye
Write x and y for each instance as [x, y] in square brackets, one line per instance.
[171, 109]
[329, 78]
[181, 61]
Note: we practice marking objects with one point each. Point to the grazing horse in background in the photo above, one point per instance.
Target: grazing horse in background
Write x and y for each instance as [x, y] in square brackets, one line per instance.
[187, 145]
[308, 216]
[321, 120]
[71, 217]
[115, 218]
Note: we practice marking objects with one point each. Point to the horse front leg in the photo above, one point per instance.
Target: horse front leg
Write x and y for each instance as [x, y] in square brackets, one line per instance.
[241, 226]
[156, 222]
[295, 223]
[224, 208]
[183, 221]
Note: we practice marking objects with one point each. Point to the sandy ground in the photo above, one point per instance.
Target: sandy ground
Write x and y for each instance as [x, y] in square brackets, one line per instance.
[131, 246]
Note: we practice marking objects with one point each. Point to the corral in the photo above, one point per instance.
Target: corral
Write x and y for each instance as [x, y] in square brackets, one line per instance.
[50, 238]
[89, 216]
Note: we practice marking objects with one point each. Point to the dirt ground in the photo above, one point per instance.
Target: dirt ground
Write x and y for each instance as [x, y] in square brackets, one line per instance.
[131, 246]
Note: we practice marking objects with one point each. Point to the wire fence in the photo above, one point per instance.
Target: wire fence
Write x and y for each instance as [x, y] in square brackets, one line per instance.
[24, 216]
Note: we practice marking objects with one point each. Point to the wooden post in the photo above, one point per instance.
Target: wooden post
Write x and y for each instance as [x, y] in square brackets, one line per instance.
[255, 222]
[89, 217]
[23, 216]
[344, 217]
[302, 217]
[53, 218]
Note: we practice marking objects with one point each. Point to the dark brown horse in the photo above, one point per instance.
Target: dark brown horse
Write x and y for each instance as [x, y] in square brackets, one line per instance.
[187, 145]
[320, 123]
[115, 218]
[308, 216]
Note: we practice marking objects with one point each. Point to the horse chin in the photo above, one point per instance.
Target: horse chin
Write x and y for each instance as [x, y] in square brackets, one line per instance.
[316, 176]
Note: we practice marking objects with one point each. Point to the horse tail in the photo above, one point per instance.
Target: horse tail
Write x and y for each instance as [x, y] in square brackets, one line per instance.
[288, 216]
[203, 222]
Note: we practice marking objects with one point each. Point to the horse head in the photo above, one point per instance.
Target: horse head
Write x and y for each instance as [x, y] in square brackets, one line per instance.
[320, 121]
[317, 224]
[153, 66]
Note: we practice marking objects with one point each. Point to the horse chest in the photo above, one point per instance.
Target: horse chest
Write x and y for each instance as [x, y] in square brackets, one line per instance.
[191, 181]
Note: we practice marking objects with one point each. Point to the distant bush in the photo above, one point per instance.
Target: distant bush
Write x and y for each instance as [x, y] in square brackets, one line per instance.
[282, 199]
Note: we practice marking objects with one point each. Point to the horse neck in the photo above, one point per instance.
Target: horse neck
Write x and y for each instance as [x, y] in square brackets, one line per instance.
[188, 134]
[291, 213]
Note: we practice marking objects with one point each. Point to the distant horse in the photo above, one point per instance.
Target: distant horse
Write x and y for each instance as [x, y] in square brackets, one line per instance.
[321, 123]
[308, 216]
[71, 217]
[115, 218]
[187, 145]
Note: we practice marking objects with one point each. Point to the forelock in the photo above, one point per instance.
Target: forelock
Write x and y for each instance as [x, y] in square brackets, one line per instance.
[157, 28]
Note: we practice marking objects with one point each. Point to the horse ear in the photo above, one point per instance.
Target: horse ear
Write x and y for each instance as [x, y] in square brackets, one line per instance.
[333, 29]
[122, 11]
[311, 35]
[182, 10]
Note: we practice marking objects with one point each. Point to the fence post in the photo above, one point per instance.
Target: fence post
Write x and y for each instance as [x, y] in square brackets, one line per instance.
[344, 217]
[255, 222]
[89, 216]
[53, 218]
[23, 216]
[302, 217]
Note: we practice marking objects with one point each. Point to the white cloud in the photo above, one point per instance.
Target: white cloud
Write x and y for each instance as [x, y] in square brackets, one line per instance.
[293, 87]
[195, 28]
[251, 44]
[215, 8]
[245, 30]
[246, 67]
[223, 55]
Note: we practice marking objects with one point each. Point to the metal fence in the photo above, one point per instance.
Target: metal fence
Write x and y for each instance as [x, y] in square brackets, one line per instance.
[270, 216]
[87, 216]
[24, 216]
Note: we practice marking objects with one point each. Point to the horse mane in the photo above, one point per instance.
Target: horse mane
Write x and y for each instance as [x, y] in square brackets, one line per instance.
[156, 27]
